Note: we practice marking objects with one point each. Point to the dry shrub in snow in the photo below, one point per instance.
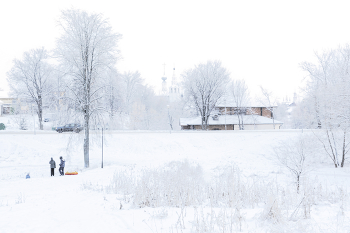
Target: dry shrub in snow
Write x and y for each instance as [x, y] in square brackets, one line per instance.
[221, 204]
[21, 198]
[177, 184]
[295, 154]
[272, 211]
[123, 182]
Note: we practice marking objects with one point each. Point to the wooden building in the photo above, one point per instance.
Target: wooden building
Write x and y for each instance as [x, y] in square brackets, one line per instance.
[6, 105]
[229, 117]
[231, 122]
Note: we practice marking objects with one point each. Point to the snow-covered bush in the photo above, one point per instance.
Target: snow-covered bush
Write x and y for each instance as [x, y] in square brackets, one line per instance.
[2, 126]
[21, 198]
[21, 121]
[23, 124]
[204, 222]
[123, 182]
[221, 202]
[272, 211]
[295, 154]
[177, 184]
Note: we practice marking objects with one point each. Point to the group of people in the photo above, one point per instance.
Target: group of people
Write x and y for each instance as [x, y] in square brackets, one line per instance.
[53, 166]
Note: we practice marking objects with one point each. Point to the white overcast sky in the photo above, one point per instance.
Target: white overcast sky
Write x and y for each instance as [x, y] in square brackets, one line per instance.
[262, 42]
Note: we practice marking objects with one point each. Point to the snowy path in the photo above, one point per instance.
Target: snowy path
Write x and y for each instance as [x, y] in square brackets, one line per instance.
[59, 204]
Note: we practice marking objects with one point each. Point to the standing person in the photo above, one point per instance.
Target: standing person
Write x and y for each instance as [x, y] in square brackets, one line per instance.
[53, 166]
[62, 164]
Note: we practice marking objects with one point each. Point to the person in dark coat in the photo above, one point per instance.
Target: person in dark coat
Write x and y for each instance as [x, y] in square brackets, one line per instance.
[62, 164]
[53, 166]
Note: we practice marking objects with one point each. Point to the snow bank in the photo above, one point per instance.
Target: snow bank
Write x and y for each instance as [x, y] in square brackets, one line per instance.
[84, 204]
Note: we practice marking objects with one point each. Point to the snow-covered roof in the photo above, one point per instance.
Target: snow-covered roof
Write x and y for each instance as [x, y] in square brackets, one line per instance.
[229, 102]
[230, 120]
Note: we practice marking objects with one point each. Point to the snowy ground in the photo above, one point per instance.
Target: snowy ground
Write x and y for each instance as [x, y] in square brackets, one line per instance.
[82, 203]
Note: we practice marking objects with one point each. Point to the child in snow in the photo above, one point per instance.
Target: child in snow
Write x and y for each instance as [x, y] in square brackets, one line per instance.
[62, 164]
[27, 176]
[53, 166]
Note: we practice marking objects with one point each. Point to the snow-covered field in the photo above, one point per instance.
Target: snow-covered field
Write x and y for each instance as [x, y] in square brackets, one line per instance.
[88, 203]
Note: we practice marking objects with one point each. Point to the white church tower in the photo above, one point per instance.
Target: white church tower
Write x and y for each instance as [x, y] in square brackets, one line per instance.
[174, 89]
[164, 91]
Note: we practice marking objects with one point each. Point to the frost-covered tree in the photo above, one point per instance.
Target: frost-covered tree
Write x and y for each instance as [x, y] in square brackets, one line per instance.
[204, 85]
[296, 155]
[319, 76]
[139, 107]
[329, 101]
[240, 95]
[132, 83]
[282, 114]
[30, 80]
[87, 49]
[113, 93]
[269, 101]
[148, 111]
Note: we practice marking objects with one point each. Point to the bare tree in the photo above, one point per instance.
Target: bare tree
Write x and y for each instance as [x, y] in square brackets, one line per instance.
[29, 79]
[204, 85]
[282, 114]
[335, 143]
[327, 86]
[241, 98]
[88, 49]
[142, 108]
[132, 82]
[268, 101]
[295, 154]
[335, 110]
[113, 95]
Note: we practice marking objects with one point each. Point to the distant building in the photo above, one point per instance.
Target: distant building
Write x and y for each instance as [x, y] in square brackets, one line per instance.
[7, 105]
[164, 91]
[250, 109]
[230, 122]
[173, 92]
[295, 99]
[174, 89]
[225, 116]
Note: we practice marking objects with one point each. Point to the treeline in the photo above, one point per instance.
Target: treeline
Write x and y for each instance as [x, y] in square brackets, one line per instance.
[79, 81]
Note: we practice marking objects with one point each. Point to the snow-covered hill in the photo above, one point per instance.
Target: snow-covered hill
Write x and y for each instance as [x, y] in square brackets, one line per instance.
[84, 203]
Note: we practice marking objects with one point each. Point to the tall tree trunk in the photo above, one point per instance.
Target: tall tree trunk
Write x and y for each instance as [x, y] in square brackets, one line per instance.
[239, 121]
[242, 122]
[334, 154]
[204, 123]
[40, 112]
[112, 103]
[344, 150]
[298, 182]
[86, 139]
[319, 124]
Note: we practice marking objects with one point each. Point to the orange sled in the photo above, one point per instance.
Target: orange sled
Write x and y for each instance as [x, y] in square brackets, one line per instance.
[71, 173]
